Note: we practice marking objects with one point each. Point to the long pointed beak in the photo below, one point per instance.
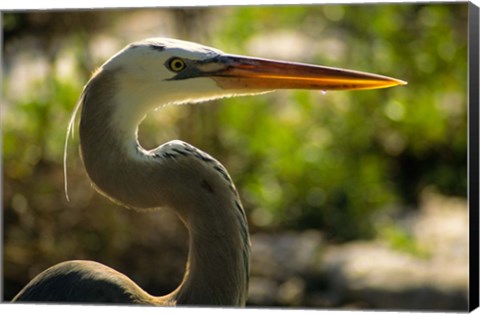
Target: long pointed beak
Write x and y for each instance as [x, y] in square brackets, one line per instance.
[240, 72]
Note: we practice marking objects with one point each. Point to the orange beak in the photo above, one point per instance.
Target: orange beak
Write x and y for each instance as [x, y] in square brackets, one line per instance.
[240, 72]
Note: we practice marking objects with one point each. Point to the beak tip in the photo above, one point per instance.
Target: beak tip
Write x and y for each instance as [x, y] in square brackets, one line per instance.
[396, 82]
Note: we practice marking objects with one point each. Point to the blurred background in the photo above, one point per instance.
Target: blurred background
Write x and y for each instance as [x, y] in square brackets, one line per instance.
[354, 199]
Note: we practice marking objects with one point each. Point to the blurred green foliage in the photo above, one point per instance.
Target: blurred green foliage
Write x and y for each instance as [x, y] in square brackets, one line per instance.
[300, 160]
[331, 161]
[402, 240]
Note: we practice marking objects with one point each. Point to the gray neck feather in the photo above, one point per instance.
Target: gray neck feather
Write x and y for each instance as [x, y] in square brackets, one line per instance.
[178, 176]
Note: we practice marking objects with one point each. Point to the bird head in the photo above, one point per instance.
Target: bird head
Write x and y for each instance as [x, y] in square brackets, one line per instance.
[163, 71]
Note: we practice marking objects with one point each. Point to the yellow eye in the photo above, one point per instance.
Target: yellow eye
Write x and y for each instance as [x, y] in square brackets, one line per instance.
[176, 64]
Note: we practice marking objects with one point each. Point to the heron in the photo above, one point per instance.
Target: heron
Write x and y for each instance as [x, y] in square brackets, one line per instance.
[141, 77]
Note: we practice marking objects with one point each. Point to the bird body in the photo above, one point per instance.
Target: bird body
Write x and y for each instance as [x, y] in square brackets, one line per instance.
[73, 281]
[176, 175]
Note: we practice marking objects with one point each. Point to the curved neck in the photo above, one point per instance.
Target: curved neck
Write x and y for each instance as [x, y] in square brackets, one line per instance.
[178, 176]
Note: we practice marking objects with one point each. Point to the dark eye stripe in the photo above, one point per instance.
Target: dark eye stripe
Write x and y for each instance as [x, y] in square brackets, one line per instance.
[157, 47]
